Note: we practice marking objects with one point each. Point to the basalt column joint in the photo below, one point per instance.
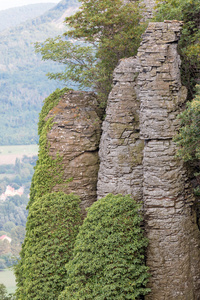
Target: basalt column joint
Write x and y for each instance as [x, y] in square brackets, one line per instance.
[174, 250]
[120, 147]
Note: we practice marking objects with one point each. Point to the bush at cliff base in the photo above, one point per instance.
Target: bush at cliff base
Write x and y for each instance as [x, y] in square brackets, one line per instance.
[109, 254]
[52, 226]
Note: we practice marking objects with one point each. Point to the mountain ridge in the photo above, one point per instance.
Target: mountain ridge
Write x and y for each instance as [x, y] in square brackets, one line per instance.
[14, 16]
[23, 80]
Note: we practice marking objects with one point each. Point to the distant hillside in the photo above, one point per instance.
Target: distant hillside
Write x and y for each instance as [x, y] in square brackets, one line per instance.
[14, 16]
[23, 81]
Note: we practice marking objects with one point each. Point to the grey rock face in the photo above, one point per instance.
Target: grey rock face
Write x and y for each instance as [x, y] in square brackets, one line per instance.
[174, 242]
[148, 9]
[142, 108]
[121, 149]
[161, 93]
[75, 136]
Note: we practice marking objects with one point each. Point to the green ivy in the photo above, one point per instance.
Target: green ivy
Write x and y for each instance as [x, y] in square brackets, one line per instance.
[49, 103]
[48, 171]
[52, 226]
[109, 254]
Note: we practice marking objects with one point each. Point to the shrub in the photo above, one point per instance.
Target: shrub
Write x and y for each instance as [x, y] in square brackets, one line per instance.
[188, 138]
[52, 226]
[187, 11]
[109, 254]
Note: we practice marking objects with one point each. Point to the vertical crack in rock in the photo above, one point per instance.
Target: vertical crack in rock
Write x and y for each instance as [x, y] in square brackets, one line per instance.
[174, 250]
[75, 136]
[120, 148]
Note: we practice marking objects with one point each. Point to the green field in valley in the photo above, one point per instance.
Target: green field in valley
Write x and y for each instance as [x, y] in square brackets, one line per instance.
[7, 277]
[8, 154]
[19, 149]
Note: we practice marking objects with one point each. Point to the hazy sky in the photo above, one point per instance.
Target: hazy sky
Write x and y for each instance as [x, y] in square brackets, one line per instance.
[5, 4]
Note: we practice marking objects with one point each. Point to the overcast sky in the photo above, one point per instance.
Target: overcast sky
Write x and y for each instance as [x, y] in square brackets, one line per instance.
[5, 4]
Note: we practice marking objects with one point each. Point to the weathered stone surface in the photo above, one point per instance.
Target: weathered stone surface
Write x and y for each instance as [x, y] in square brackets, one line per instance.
[174, 251]
[148, 10]
[120, 148]
[161, 93]
[142, 107]
[170, 221]
[75, 136]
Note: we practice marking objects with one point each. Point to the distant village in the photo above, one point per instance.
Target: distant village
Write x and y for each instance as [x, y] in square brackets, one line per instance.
[10, 192]
[5, 237]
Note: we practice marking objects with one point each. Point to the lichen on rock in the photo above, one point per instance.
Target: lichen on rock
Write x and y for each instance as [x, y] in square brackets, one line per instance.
[75, 135]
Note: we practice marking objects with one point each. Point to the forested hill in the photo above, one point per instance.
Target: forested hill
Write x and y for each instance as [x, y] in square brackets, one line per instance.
[23, 81]
[14, 16]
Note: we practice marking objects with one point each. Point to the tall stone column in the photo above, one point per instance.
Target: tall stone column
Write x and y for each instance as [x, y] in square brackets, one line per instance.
[174, 250]
[138, 157]
[120, 147]
[75, 135]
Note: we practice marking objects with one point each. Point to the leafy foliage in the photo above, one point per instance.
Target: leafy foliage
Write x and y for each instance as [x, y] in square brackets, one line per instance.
[189, 45]
[13, 213]
[102, 25]
[108, 257]
[13, 209]
[52, 226]
[48, 171]
[50, 102]
[188, 138]
[3, 293]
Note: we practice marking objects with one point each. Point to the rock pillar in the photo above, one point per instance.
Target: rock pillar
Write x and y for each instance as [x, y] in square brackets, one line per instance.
[121, 148]
[137, 155]
[75, 135]
[174, 249]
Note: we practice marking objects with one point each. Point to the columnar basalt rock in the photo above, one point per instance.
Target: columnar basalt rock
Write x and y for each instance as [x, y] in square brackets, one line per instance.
[121, 149]
[75, 135]
[174, 241]
[142, 108]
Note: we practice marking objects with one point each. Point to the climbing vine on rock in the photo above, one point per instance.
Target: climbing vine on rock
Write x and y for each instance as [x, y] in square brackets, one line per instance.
[109, 254]
[48, 171]
[49, 103]
[53, 223]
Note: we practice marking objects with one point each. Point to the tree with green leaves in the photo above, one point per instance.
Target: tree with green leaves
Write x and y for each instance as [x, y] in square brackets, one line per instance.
[187, 11]
[3, 293]
[188, 138]
[109, 255]
[52, 226]
[102, 32]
